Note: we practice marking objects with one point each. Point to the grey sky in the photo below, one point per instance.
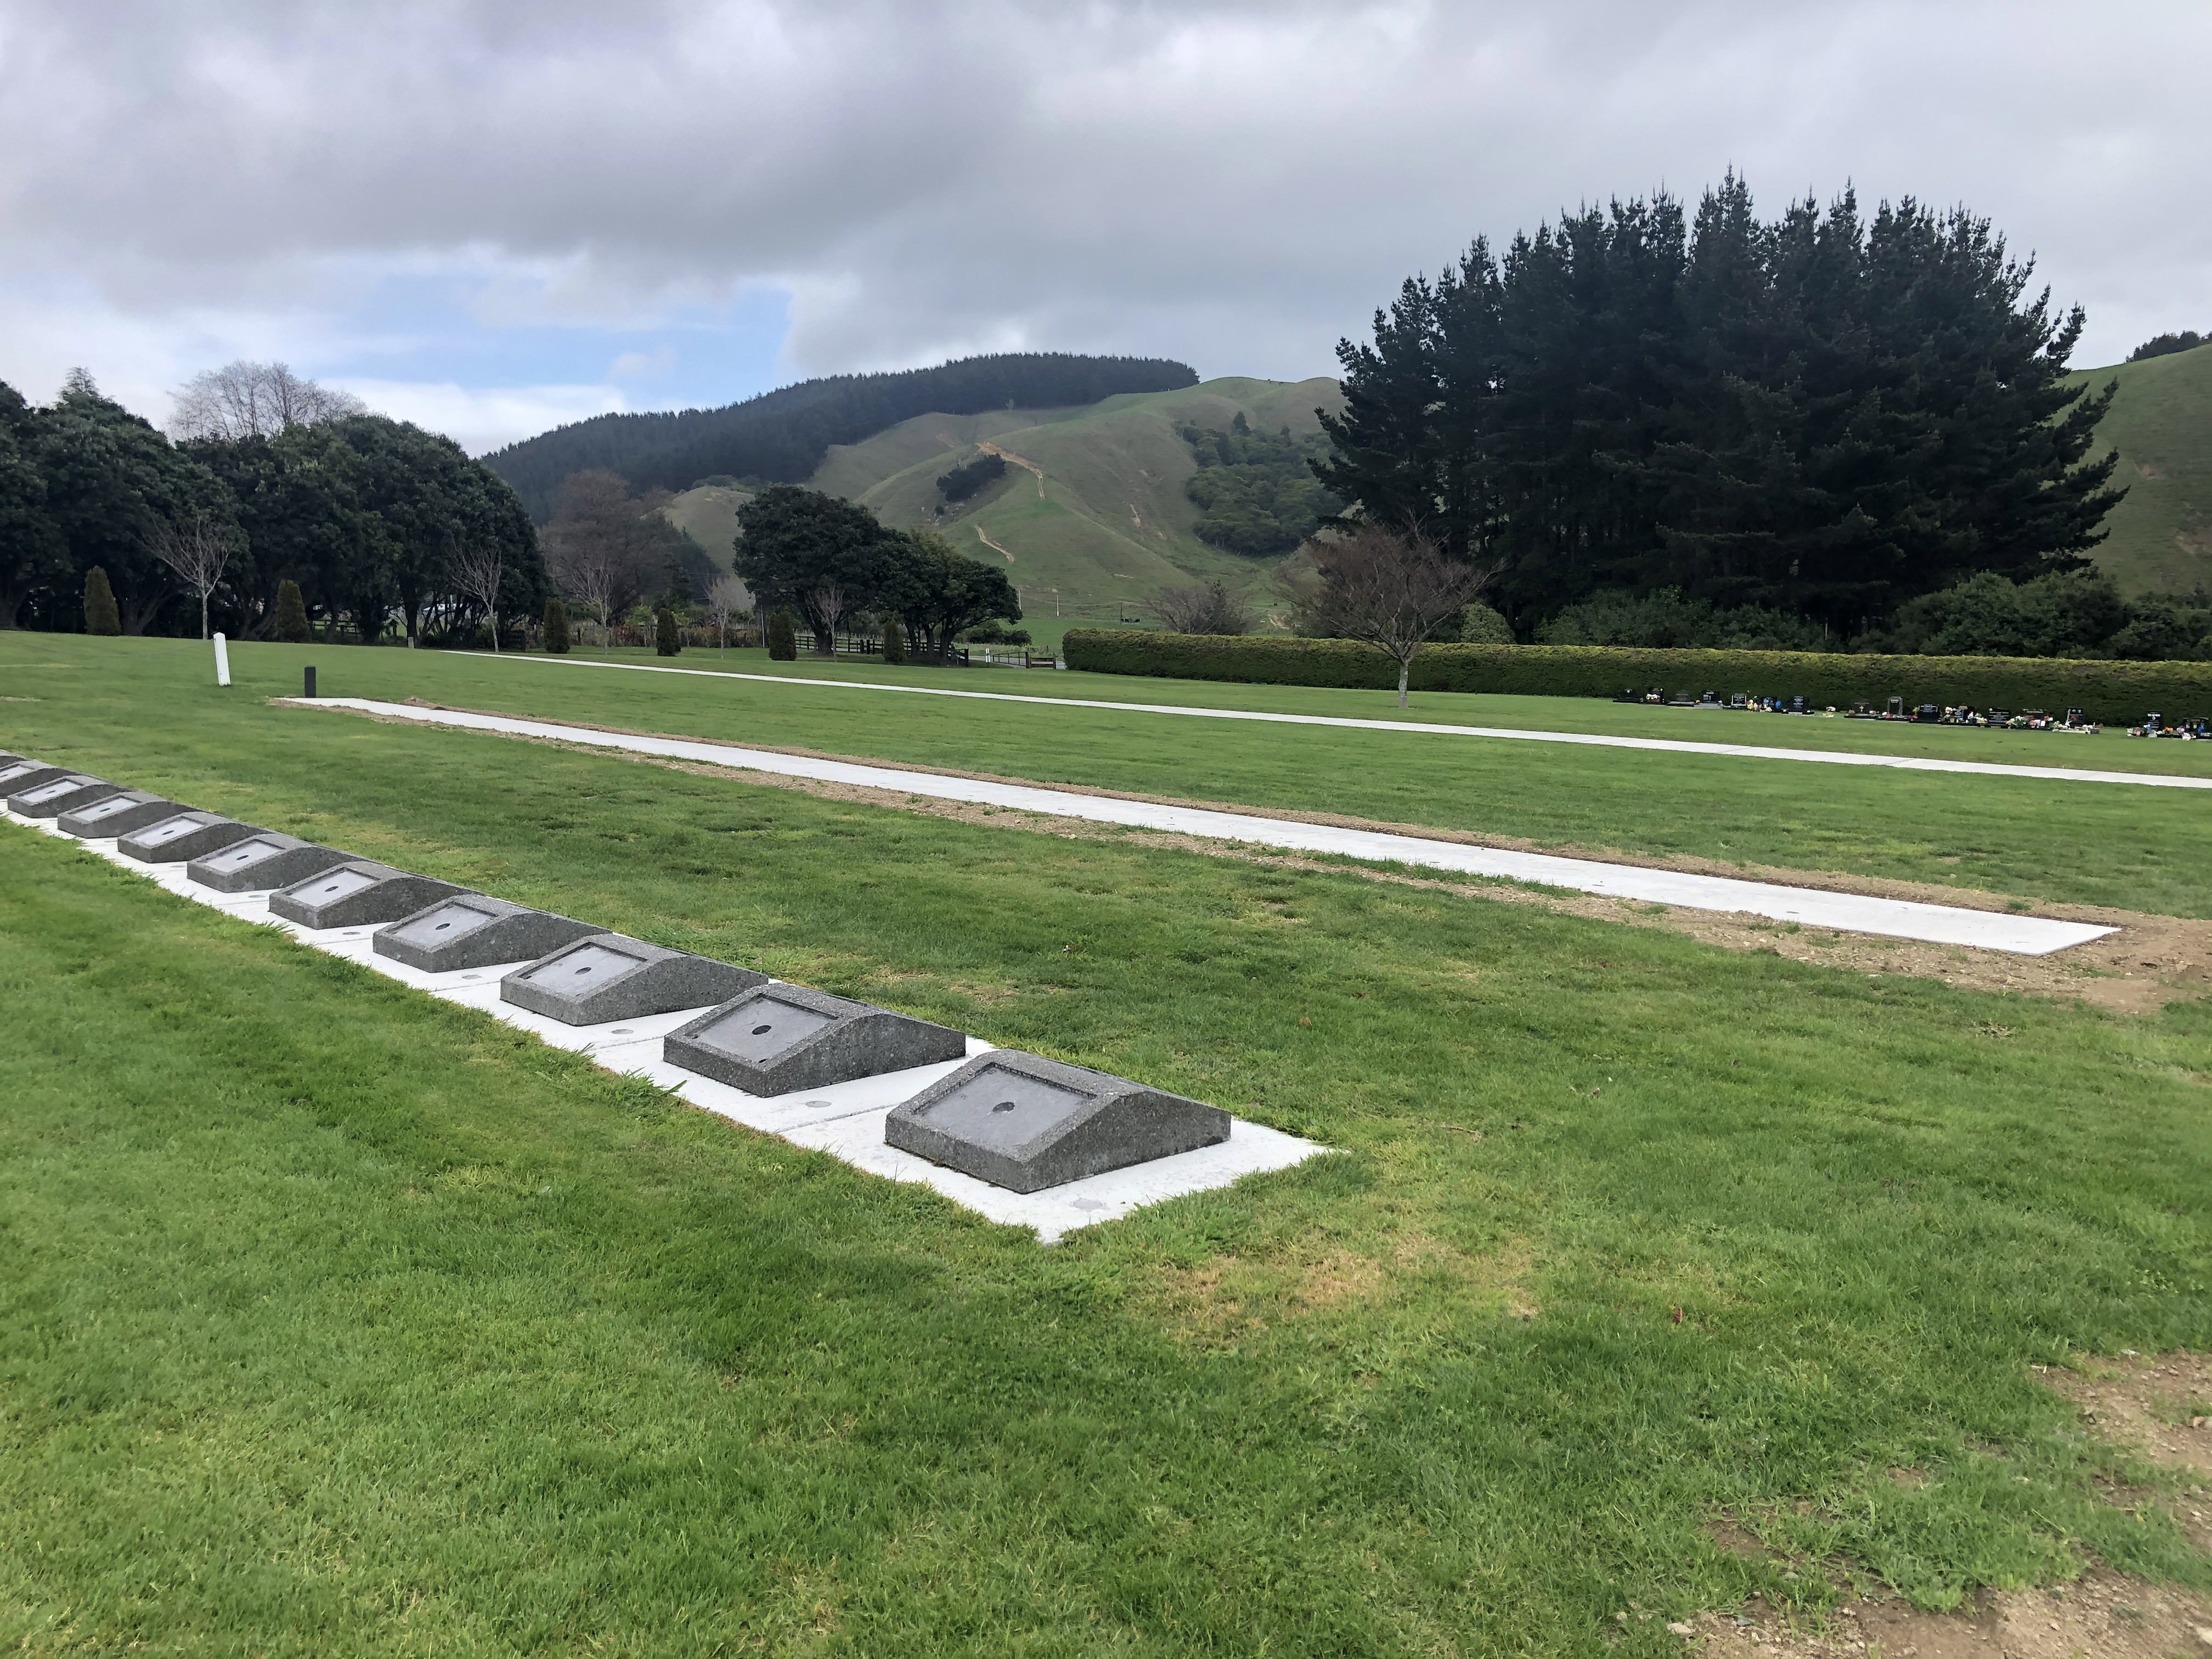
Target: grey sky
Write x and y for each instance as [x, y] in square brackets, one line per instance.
[494, 215]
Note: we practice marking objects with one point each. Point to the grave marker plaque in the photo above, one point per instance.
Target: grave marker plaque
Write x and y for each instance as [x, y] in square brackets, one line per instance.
[776, 1039]
[118, 815]
[611, 976]
[22, 774]
[185, 836]
[63, 794]
[358, 894]
[1026, 1123]
[262, 863]
[473, 931]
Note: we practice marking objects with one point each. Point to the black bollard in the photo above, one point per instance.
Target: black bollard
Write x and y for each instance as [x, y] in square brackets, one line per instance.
[310, 691]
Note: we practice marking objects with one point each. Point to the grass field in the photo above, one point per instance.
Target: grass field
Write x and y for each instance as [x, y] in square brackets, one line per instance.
[2136, 848]
[338, 1320]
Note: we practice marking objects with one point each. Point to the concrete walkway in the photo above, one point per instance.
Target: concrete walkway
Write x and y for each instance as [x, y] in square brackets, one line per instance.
[1853, 912]
[1669, 745]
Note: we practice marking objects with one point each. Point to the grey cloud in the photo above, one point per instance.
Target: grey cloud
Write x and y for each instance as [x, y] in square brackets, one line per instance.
[1238, 184]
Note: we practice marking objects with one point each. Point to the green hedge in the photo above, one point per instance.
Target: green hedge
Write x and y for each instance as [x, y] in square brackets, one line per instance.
[2111, 692]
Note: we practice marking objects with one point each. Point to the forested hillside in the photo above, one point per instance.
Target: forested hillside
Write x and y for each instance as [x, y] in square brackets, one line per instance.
[782, 436]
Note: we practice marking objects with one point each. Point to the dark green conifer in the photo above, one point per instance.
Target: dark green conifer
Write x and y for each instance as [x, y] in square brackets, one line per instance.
[556, 628]
[894, 642]
[100, 616]
[666, 638]
[291, 613]
[782, 637]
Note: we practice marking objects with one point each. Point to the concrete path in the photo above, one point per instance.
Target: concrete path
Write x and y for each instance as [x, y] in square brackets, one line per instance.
[1669, 745]
[1851, 912]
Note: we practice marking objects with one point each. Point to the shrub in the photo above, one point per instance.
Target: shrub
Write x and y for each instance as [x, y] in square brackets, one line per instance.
[782, 637]
[894, 642]
[556, 628]
[291, 613]
[1479, 625]
[100, 616]
[1664, 618]
[666, 639]
[1212, 609]
[2107, 691]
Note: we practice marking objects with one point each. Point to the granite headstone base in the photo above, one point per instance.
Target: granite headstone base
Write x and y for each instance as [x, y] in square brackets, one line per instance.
[357, 894]
[19, 775]
[184, 837]
[63, 794]
[263, 863]
[475, 932]
[777, 1039]
[611, 976]
[1026, 1123]
[118, 815]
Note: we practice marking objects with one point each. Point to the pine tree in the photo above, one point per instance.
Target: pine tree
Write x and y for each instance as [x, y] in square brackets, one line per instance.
[894, 642]
[556, 628]
[100, 616]
[666, 638]
[291, 613]
[782, 637]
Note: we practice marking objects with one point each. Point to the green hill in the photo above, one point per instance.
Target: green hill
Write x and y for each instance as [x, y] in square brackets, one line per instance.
[1091, 518]
[2162, 423]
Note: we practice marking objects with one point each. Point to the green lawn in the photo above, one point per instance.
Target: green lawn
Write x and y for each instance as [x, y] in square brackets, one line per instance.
[335, 1320]
[2140, 848]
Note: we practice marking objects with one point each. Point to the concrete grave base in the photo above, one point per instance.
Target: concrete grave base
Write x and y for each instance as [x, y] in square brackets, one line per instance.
[19, 775]
[609, 976]
[475, 931]
[264, 864]
[778, 1038]
[120, 814]
[181, 839]
[1025, 1123]
[66, 794]
[359, 894]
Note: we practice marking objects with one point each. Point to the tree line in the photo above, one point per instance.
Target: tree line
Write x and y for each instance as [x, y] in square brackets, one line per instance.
[273, 482]
[1825, 416]
[782, 436]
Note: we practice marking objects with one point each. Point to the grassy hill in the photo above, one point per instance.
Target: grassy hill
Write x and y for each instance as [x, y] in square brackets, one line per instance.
[1091, 518]
[2161, 424]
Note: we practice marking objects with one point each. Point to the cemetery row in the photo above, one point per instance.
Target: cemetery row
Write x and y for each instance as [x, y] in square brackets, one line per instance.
[2155, 724]
[895, 1094]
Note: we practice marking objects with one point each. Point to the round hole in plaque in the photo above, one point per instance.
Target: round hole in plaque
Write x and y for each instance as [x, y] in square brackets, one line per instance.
[762, 1031]
[442, 927]
[1004, 1106]
[819, 1103]
[580, 972]
[620, 1031]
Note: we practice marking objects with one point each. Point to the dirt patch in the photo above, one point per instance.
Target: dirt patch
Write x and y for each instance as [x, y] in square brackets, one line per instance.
[2150, 961]
[1231, 1296]
[2103, 1615]
[2158, 1405]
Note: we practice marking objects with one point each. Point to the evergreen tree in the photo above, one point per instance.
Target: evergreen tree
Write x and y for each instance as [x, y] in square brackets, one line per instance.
[667, 638]
[291, 613]
[782, 637]
[894, 642]
[100, 616]
[556, 628]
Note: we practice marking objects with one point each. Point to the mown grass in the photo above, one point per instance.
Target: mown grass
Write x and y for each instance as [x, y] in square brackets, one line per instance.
[338, 1320]
[2136, 848]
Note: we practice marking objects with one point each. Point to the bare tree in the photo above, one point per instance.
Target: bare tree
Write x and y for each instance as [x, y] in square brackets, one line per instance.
[606, 547]
[198, 551]
[724, 600]
[1391, 590]
[829, 603]
[474, 571]
[246, 400]
[1212, 609]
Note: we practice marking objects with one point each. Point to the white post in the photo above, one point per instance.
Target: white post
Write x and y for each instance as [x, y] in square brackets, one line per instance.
[221, 660]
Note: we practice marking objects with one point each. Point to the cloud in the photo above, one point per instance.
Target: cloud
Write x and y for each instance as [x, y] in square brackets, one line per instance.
[479, 419]
[1228, 181]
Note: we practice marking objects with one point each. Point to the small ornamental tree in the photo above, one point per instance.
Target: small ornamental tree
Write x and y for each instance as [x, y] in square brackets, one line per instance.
[556, 628]
[894, 642]
[666, 638]
[100, 616]
[1392, 591]
[291, 613]
[782, 638]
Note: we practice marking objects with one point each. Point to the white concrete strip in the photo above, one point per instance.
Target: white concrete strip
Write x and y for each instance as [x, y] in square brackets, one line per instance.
[1851, 913]
[1669, 745]
[845, 1119]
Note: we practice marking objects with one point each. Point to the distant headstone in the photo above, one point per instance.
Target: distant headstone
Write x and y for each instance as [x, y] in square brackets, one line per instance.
[187, 837]
[473, 931]
[611, 976]
[28, 774]
[263, 863]
[776, 1039]
[359, 894]
[63, 794]
[118, 815]
[1025, 1123]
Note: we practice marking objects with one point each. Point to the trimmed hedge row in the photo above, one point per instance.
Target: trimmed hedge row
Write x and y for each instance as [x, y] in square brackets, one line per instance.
[2113, 693]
